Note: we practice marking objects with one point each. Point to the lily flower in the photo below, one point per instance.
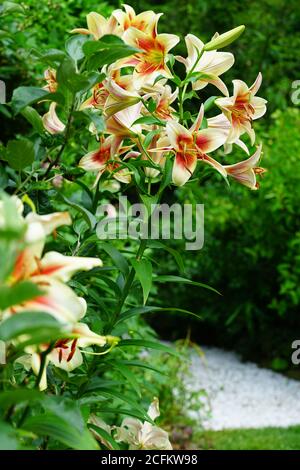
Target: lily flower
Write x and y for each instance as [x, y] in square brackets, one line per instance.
[49, 272]
[163, 97]
[50, 77]
[245, 172]
[210, 64]
[121, 94]
[145, 21]
[51, 121]
[100, 160]
[97, 99]
[221, 122]
[98, 26]
[121, 124]
[141, 435]
[190, 146]
[242, 108]
[152, 61]
[66, 353]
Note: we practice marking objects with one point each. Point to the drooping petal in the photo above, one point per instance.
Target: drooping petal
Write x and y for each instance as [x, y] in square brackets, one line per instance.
[49, 222]
[216, 165]
[62, 267]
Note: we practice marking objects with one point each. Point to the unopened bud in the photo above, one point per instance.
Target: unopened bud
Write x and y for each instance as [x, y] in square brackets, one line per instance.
[224, 39]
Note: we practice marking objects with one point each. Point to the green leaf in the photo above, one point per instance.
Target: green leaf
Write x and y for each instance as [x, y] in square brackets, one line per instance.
[128, 375]
[20, 153]
[18, 293]
[74, 47]
[143, 269]
[120, 396]
[184, 281]
[117, 257]
[33, 117]
[143, 343]
[97, 119]
[25, 96]
[172, 251]
[11, 7]
[149, 120]
[61, 430]
[132, 312]
[8, 437]
[22, 395]
[39, 326]
[88, 216]
[111, 48]
[209, 103]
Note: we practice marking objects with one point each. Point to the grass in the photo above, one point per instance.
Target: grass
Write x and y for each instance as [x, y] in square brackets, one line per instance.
[252, 439]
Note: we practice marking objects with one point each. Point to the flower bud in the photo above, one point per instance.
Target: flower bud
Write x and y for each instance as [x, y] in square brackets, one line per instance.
[225, 39]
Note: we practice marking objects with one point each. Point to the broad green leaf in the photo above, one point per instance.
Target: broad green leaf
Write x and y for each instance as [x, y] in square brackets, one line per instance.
[105, 435]
[25, 96]
[11, 7]
[20, 153]
[61, 430]
[18, 293]
[74, 47]
[22, 395]
[143, 269]
[37, 325]
[183, 280]
[33, 117]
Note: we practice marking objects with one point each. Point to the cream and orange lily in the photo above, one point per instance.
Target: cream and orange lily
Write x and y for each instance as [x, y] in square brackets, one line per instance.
[51, 121]
[98, 26]
[190, 146]
[49, 272]
[243, 172]
[152, 60]
[242, 108]
[66, 353]
[210, 64]
[106, 158]
[145, 21]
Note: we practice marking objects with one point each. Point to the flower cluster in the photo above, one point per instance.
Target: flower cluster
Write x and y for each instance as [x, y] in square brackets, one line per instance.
[141, 95]
[50, 273]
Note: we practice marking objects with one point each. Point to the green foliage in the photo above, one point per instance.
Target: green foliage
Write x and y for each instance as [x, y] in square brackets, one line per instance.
[251, 254]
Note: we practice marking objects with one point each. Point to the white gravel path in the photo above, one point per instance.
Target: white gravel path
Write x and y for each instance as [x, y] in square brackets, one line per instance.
[242, 395]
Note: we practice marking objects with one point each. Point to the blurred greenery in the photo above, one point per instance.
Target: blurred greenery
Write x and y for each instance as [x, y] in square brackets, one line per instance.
[251, 251]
